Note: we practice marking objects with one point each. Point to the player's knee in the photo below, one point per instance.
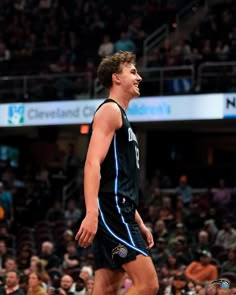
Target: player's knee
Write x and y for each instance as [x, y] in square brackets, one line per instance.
[154, 287]
[110, 289]
[150, 288]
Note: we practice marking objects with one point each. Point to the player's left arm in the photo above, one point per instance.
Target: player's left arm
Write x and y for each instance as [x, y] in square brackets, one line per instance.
[146, 233]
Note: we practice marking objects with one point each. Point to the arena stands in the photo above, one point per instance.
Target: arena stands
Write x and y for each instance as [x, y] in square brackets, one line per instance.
[48, 51]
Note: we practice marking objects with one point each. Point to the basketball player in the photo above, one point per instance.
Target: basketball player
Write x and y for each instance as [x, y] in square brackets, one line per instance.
[121, 240]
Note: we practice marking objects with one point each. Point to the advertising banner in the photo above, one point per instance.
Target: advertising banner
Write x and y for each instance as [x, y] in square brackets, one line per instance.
[144, 109]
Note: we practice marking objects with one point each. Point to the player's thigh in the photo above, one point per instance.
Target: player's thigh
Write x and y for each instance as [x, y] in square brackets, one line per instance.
[107, 281]
[142, 271]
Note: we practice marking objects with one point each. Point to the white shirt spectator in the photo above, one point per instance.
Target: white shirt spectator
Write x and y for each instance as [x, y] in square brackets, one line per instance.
[106, 47]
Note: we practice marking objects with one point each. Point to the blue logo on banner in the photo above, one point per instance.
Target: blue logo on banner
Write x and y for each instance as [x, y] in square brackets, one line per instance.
[16, 114]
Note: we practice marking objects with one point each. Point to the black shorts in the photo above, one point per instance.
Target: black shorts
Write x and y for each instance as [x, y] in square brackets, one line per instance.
[118, 239]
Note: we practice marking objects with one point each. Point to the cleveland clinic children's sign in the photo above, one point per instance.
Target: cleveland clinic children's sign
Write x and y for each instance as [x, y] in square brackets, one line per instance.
[143, 109]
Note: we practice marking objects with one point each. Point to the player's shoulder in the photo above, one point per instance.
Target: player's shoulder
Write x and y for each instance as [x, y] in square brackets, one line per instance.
[109, 114]
[108, 109]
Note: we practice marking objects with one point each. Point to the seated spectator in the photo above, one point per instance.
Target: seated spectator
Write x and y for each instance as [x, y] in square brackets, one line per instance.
[23, 258]
[10, 265]
[202, 241]
[62, 241]
[181, 212]
[222, 51]
[160, 230]
[179, 231]
[33, 265]
[71, 257]
[47, 255]
[179, 285]
[12, 286]
[222, 196]
[63, 65]
[35, 285]
[184, 190]
[90, 286]
[202, 271]
[230, 264]
[86, 273]
[66, 285]
[124, 43]
[41, 271]
[172, 264]
[211, 228]
[166, 210]
[182, 251]
[72, 213]
[106, 48]
[152, 214]
[79, 287]
[160, 252]
[226, 237]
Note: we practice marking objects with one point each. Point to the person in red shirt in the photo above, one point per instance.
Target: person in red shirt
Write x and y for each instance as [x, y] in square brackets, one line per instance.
[202, 271]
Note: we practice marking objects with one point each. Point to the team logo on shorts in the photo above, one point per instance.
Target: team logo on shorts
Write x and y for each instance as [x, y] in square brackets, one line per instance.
[223, 283]
[120, 250]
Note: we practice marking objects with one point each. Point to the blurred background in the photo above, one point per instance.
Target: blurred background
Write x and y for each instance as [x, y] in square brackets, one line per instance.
[49, 52]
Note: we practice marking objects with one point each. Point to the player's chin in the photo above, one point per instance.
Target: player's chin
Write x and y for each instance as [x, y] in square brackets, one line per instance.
[137, 92]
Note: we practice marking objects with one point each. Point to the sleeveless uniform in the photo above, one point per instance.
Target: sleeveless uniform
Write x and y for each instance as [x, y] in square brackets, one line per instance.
[118, 239]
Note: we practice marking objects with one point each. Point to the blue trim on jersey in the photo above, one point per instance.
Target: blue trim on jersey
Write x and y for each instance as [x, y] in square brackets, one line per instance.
[116, 190]
[116, 165]
[114, 235]
[123, 220]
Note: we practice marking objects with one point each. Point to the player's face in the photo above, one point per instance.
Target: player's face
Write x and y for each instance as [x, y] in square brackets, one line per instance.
[130, 80]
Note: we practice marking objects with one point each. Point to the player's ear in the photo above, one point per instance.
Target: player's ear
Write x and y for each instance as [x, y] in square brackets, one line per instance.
[116, 78]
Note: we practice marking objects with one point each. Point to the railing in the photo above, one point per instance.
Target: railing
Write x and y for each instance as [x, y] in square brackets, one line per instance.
[153, 40]
[158, 80]
[80, 85]
[217, 77]
[46, 87]
[167, 80]
[162, 33]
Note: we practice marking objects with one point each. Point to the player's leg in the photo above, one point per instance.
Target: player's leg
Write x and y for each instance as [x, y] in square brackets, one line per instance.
[143, 275]
[107, 281]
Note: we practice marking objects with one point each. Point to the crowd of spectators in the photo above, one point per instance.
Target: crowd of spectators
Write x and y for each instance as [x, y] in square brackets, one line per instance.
[57, 36]
[39, 37]
[68, 38]
[211, 40]
[194, 234]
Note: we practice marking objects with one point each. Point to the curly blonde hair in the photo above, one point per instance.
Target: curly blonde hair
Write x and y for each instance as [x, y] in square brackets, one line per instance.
[112, 64]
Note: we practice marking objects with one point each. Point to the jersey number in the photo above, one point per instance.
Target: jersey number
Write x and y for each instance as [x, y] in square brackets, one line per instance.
[137, 156]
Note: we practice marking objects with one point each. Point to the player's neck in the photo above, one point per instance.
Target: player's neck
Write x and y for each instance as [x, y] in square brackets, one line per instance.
[120, 99]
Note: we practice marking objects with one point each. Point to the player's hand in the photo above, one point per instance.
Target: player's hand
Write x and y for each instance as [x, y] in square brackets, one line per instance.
[87, 231]
[147, 235]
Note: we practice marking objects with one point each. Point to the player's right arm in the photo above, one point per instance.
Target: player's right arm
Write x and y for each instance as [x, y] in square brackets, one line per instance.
[106, 121]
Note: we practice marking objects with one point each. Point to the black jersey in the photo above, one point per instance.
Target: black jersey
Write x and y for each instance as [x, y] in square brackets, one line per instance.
[120, 168]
